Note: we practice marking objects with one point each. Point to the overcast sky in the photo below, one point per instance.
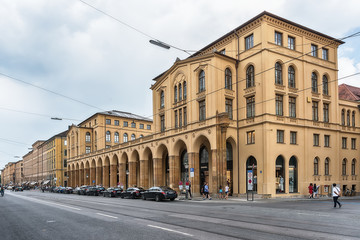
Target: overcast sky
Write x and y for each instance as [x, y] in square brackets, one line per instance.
[71, 49]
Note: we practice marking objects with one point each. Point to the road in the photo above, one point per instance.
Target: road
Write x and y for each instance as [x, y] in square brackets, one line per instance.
[36, 215]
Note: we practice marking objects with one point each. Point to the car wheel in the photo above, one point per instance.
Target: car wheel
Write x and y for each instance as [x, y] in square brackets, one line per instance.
[157, 198]
[143, 197]
[172, 199]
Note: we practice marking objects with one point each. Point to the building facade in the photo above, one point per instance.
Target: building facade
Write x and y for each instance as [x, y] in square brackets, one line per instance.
[257, 109]
[13, 173]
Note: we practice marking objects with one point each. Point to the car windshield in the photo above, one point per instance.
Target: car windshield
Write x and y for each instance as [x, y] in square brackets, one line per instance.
[166, 188]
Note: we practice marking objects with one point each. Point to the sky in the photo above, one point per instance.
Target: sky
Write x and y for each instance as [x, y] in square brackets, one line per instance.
[89, 62]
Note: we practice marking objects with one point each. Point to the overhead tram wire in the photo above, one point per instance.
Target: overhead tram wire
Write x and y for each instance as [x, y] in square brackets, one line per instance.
[266, 70]
[133, 28]
[13, 142]
[50, 91]
[41, 115]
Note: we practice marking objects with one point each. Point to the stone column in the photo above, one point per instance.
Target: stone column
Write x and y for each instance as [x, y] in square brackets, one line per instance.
[113, 175]
[93, 175]
[132, 174]
[122, 174]
[195, 181]
[98, 175]
[81, 177]
[174, 165]
[106, 176]
[69, 179]
[87, 176]
[144, 173]
[158, 175]
[214, 172]
[76, 178]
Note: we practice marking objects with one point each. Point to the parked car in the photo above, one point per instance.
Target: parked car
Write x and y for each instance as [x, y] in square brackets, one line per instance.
[159, 194]
[18, 189]
[68, 190]
[112, 192]
[77, 190]
[9, 188]
[101, 190]
[132, 192]
[82, 190]
[92, 191]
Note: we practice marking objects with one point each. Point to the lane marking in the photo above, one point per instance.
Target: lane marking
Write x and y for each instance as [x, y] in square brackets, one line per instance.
[50, 221]
[170, 230]
[106, 215]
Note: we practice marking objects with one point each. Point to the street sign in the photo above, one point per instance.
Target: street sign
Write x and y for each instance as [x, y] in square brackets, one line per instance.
[191, 172]
[93, 181]
[250, 180]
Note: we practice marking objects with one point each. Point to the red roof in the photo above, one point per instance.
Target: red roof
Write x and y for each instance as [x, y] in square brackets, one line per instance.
[347, 92]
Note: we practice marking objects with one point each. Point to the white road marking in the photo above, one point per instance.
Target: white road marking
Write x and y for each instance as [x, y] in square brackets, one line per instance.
[106, 215]
[50, 221]
[170, 230]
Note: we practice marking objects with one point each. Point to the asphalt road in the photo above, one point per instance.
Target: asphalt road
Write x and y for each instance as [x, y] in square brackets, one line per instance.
[36, 215]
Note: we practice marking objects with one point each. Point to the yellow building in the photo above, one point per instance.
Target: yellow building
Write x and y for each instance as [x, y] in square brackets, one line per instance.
[258, 109]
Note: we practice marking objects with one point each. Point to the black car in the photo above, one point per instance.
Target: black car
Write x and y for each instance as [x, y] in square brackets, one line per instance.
[159, 194]
[18, 189]
[101, 190]
[112, 192]
[132, 192]
[92, 191]
[68, 190]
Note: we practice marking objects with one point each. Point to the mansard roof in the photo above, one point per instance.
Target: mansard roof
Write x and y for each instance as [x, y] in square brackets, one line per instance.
[347, 92]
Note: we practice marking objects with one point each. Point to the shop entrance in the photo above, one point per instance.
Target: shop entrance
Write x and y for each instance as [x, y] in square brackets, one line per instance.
[204, 166]
[280, 175]
[293, 188]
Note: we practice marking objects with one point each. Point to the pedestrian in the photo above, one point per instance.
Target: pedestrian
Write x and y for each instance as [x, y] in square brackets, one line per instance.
[315, 190]
[311, 189]
[336, 195]
[206, 192]
[227, 189]
[220, 192]
[190, 190]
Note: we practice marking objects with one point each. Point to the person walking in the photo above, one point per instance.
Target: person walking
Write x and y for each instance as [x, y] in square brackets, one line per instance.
[220, 192]
[311, 190]
[315, 190]
[336, 195]
[190, 190]
[206, 192]
[227, 189]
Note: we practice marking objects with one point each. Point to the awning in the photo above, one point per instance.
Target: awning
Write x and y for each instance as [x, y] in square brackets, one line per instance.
[46, 182]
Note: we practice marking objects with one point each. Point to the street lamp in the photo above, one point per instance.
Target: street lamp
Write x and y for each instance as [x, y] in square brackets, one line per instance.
[160, 44]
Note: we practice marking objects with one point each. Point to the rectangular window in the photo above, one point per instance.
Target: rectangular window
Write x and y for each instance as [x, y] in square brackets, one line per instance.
[325, 54]
[185, 116]
[249, 42]
[315, 112]
[291, 43]
[250, 107]
[229, 108]
[292, 107]
[108, 121]
[65, 163]
[87, 149]
[316, 139]
[180, 117]
[116, 122]
[107, 146]
[126, 124]
[279, 105]
[344, 143]
[65, 152]
[280, 136]
[141, 126]
[148, 127]
[133, 125]
[326, 112]
[293, 136]
[202, 110]
[65, 142]
[326, 140]
[176, 119]
[162, 123]
[314, 50]
[250, 137]
[278, 38]
[353, 143]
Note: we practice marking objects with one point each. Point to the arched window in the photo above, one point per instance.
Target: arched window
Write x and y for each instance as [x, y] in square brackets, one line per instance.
[278, 74]
[125, 137]
[250, 78]
[175, 94]
[348, 117]
[141, 135]
[87, 137]
[108, 136]
[353, 165]
[228, 79]
[162, 100]
[325, 85]
[132, 136]
[180, 92]
[344, 167]
[185, 90]
[291, 76]
[343, 117]
[353, 118]
[202, 81]
[316, 166]
[280, 174]
[327, 167]
[314, 83]
[116, 137]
